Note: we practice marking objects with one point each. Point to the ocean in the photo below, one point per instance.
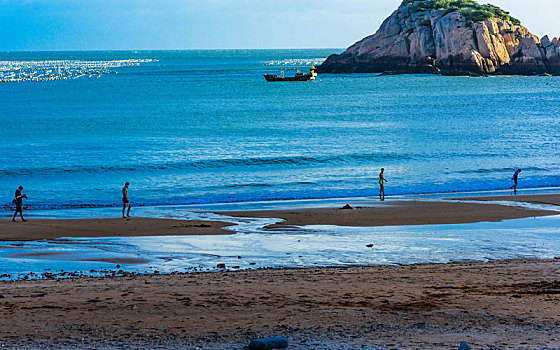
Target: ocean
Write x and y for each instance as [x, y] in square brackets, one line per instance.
[203, 127]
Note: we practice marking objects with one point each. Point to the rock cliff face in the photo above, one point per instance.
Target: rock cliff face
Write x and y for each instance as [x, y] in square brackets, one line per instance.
[447, 41]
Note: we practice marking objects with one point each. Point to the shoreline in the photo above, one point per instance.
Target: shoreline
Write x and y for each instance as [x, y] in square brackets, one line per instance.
[462, 210]
[504, 304]
[547, 198]
[7, 211]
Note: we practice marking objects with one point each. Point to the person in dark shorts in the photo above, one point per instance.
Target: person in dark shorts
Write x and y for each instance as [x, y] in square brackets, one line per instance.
[18, 201]
[125, 201]
[514, 178]
[381, 187]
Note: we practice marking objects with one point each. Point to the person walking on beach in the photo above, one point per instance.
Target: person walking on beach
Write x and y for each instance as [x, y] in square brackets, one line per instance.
[18, 201]
[125, 201]
[514, 178]
[381, 187]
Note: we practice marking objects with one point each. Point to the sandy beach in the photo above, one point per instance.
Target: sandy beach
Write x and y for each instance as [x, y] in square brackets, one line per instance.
[496, 304]
[501, 304]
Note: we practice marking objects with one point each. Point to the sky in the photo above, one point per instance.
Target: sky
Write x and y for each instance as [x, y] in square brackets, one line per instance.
[43, 25]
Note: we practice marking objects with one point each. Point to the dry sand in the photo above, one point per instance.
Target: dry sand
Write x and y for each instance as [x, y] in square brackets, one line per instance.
[502, 304]
[35, 229]
[397, 213]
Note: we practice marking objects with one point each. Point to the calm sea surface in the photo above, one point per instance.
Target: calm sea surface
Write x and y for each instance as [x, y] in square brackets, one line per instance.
[205, 127]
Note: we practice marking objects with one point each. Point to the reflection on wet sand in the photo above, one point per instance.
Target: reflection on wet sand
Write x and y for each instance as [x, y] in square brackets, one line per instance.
[254, 247]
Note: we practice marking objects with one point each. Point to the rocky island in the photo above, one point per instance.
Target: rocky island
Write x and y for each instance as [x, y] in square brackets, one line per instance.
[450, 37]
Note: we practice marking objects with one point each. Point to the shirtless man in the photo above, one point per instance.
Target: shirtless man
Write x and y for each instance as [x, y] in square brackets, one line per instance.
[125, 201]
[514, 178]
[381, 187]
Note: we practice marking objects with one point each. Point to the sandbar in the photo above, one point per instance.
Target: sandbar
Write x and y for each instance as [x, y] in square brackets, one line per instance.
[389, 213]
[36, 229]
[397, 213]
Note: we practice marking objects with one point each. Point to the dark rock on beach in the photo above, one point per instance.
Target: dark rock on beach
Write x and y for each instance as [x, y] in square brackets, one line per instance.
[269, 343]
[441, 37]
[96, 300]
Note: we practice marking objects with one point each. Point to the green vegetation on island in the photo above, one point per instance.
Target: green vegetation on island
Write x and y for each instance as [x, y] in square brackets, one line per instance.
[472, 10]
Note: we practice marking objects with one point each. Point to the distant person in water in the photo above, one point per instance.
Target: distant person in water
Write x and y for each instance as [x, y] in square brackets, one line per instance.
[514, 178]
[125, 201]
[381, 187]
[18, 201]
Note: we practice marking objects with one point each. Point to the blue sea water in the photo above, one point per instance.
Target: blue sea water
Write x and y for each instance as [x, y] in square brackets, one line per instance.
[195, 127]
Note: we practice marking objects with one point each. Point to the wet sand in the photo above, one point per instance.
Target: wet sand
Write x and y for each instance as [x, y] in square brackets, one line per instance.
[397, 213]
[501, 304]
[552, 199]
[36, 229]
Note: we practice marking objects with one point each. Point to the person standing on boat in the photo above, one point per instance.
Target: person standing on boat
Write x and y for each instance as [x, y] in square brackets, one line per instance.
[18, 201]
[125, 201]
[381, 187]
[514, 178]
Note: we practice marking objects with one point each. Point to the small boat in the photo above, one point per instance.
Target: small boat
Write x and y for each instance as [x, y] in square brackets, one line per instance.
[298, 77]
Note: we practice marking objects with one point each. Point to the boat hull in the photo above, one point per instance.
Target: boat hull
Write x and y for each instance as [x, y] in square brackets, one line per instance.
[302, 77]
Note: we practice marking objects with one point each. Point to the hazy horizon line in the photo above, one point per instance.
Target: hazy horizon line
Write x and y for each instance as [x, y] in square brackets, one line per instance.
[198, 49]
